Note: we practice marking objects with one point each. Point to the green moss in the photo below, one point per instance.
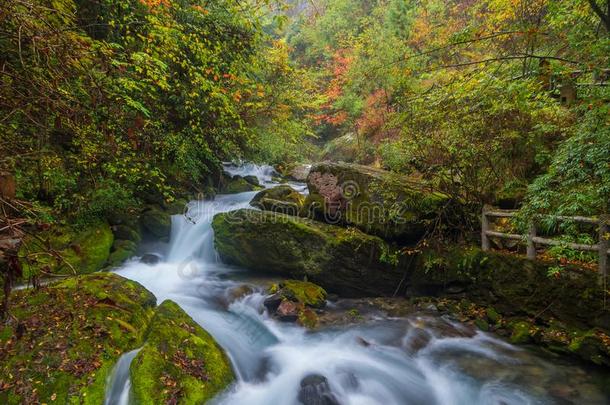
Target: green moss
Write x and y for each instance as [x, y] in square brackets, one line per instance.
[156, 222]
[81, 251]
[180, 362]
[304, 292]
[238, 185]
[481, 324]
[283, 199]
[492, 315]
[344, 260]
[125, 232]
[382, 203]
[75, 329]
[122, 250]
[522, 332]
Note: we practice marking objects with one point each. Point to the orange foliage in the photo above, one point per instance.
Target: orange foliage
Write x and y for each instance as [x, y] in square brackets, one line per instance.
[340, 66]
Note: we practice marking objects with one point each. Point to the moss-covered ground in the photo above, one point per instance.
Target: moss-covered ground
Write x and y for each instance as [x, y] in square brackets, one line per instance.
[64, 339]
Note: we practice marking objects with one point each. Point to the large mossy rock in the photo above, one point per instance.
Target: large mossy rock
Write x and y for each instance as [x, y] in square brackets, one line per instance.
[156, 222]
[66, 338]
[342, 260]
[121, 251]
[79, 251]
[237, 184]
[283, 199]
[180, 362]
[295, 171]
[378, 202]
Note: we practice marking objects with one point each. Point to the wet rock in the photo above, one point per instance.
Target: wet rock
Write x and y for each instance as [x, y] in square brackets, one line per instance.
[362, 341]
[287, 311]
[239, 292]
[150, 259]
[179, 363]
[121, 251]
[302, 292]
[237, 184]
[315, 390]
[127, 232]
[272, 302]
[416, 339]
[252, 180]
[298, 172]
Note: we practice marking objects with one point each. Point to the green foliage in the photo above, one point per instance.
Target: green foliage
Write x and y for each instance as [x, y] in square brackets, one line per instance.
[564, 252]
[578, 179]
[464, 96]
[112, 100]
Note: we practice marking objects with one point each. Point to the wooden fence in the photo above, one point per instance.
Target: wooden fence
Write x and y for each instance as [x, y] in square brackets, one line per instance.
[602, 247]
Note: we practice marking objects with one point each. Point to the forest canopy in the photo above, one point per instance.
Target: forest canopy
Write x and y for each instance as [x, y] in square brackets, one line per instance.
[104, 102]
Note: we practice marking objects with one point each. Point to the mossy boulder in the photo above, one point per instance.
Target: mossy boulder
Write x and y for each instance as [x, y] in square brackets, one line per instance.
[65, 338]
[237, 184]
[126, 232]
[293, 300]
[376, 201]
[180, 363]
[345, 148]
[342, 260]
[157, 222]
[121, 251]
[304, 292]
[283, 199]
[67, 250]
[177, 207]
[252, 180]
[295, 171]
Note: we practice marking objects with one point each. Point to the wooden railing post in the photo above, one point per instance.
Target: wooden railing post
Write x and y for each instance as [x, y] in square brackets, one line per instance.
[604, 244]
[531, 246]
[484, 228]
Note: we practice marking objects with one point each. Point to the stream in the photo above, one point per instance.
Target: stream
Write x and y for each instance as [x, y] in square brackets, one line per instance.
[424, 358]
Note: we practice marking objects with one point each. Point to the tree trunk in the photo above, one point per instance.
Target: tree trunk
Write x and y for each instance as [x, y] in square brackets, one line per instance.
[604, 16]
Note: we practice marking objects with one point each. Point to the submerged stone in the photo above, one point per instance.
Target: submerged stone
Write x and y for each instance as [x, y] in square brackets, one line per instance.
[315, 390]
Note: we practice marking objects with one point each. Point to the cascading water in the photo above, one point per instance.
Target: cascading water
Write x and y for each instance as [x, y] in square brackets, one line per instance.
[422, 359]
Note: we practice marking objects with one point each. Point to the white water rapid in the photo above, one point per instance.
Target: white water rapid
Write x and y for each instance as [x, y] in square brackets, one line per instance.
[423, 359]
